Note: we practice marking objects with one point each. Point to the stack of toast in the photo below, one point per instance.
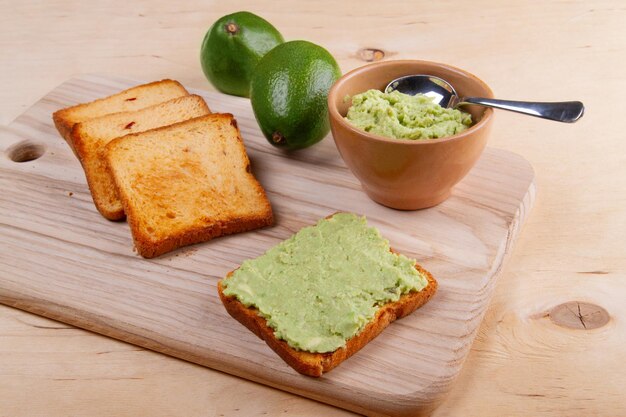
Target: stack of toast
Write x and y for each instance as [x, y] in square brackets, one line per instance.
[158, 156]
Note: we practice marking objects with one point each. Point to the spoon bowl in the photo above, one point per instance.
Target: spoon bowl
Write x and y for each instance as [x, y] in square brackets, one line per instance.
[442, 93]
[437, 89]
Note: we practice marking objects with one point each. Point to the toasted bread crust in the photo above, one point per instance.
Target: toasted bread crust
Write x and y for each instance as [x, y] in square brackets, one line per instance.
[81, 151]
[315, 364]
[63, 125]
[149, 249]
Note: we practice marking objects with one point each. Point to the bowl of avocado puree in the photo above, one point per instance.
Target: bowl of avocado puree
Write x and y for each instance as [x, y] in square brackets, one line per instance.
[407, 151]
[402, 116]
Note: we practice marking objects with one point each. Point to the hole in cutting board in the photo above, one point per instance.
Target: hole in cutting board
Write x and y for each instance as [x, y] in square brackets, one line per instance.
[25, 151]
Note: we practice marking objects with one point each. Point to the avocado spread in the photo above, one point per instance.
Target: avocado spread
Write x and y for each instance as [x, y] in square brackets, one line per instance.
[401, 116]
[321, 286]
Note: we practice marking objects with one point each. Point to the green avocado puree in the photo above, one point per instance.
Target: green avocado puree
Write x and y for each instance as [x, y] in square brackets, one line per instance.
[321, 286]
[401, 116]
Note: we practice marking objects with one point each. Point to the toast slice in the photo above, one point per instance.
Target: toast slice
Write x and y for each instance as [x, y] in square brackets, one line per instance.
[91, 136]
[134, 98]
[186, 183]
[315, 364]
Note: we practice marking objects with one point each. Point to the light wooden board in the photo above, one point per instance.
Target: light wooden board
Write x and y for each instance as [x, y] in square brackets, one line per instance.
[60, 259]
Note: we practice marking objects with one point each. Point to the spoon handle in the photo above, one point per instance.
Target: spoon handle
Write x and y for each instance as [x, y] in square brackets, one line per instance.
[565, 111]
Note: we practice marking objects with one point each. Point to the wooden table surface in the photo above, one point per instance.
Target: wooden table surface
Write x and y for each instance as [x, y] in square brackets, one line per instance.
[553, 340]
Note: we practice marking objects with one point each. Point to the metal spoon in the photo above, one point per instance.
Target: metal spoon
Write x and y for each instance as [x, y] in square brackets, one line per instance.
[446, 96]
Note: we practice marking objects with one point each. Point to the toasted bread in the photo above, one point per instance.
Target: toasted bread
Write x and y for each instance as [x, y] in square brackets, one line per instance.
[91, 136]
[135, 98]
[315, 364]
[186, 183]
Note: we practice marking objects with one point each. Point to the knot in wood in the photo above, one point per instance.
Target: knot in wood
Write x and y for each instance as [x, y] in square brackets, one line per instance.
[371, 54]
[579, 315]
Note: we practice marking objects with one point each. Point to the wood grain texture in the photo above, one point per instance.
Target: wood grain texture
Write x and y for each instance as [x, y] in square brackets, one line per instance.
[571, 248]
[62, 260]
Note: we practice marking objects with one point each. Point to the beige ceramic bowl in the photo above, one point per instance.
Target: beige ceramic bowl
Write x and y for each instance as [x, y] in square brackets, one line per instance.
[408, 174]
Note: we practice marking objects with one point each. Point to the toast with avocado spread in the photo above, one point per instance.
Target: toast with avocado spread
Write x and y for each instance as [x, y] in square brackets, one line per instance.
[324, 293]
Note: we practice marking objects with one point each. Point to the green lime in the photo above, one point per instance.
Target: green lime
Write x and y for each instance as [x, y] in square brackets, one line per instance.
[232, 47]
[288, 91]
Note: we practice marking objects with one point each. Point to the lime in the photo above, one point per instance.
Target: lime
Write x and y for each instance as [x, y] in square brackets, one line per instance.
[232, 47]
[288, 91]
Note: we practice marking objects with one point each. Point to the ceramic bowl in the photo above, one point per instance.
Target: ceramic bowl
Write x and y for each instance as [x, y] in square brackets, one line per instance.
[400, 173]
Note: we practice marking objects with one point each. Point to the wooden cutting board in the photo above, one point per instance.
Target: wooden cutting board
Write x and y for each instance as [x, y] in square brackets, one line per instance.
[59, 258]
